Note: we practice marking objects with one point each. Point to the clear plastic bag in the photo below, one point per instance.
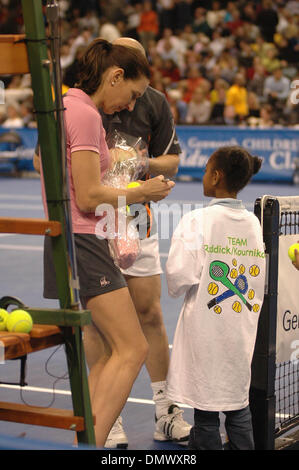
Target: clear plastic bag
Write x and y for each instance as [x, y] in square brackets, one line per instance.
[129, 162]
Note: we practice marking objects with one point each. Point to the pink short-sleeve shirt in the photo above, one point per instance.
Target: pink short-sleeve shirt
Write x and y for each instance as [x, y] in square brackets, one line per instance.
[84, 131]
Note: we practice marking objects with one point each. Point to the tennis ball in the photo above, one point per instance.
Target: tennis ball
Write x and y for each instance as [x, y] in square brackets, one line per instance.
[19, 321]
[217, 309]
[251, 294]
[233, 273]
[133, 184]
[3, 319]
[237, 307]
[212, 288]
[254, 271]
[291, 251]
[242, 269]
[256, 308]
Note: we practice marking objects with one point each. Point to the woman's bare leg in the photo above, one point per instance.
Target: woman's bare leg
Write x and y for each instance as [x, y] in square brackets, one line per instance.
[111, 378]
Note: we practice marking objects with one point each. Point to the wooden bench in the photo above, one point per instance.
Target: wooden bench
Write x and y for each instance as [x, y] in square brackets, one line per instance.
[17, 346]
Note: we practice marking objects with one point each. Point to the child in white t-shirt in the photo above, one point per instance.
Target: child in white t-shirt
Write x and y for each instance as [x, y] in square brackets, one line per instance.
[217, 261]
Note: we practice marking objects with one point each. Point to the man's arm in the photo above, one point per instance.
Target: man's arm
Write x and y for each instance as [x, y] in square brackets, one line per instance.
[166, 165]
[164, 146]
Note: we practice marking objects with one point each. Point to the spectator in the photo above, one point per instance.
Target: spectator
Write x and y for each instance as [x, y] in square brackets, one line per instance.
[218, 99]
[257, 80]
[199, 108]
[292, 6]
[215, 15]
[266, 117]
[253, 105]
[235, 22]
[218, 93]
[66, 56]
[178, 47]
[200, 24]
[133, 14]
[177, 105]
[166, 14]
[288, 50]
[229, 116]
[90, 21]
[148, 28]
[217, 44]
[183, 14]
[13, 116]
[249, 13]
[277, 88]
[83, 40]
[193, 80]
[170, 72]
[169, 51]
[237, 97]
[26, 114]
[271, 62]
[267, 20]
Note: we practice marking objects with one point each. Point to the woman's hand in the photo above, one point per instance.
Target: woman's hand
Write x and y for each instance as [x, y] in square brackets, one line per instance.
[157, 188]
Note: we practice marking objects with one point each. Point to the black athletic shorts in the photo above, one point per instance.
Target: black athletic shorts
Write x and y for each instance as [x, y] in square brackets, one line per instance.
[96, 269]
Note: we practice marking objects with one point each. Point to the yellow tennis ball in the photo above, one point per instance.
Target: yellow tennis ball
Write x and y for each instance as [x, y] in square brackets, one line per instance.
[3, 319]
[19, 321]
[291, 251]
[217, 309]
[233, 273]
[256, 308]
[242, 269]
[254, 270]
[212, 288]
[133, 184]
[237, 307]
[251, 294]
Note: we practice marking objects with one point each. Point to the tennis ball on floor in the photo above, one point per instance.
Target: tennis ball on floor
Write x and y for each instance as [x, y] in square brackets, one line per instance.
[19, 321]
[3, 319]
[291, 251]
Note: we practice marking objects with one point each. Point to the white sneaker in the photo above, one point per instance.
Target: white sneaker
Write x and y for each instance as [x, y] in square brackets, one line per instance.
[172, 427]
[117, 438]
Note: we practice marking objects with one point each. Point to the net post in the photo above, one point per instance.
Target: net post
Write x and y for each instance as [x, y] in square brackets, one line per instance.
[262, 389]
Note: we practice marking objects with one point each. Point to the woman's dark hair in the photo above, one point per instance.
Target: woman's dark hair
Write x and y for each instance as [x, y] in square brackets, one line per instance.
[101, 55]
[237, 165]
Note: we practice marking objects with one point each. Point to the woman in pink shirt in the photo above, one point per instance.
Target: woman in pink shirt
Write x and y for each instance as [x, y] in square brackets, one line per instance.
[111, 77]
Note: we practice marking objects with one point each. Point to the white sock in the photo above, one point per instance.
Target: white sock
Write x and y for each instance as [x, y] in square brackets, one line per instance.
[162, 403]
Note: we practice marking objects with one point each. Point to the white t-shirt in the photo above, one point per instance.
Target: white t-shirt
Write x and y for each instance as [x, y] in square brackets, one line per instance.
[217, 261]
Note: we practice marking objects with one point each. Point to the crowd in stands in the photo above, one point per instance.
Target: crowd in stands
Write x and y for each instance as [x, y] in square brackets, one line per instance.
[217, 62]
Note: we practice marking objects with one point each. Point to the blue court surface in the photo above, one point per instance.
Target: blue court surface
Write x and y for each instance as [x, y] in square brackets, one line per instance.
[21, 276]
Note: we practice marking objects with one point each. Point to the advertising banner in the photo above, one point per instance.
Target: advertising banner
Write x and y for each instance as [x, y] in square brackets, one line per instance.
[287, 333]
[277, 147]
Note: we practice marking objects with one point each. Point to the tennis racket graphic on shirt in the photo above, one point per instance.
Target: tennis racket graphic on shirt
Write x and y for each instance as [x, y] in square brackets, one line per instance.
[219, 272]
[240, 283]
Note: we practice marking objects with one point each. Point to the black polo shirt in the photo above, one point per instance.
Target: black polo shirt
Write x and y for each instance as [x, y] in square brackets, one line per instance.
[151, 119]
